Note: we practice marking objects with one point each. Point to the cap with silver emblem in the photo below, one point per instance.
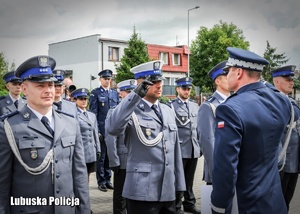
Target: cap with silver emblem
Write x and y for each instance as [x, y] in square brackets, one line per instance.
[10, 77]
[80, 92]
[37, 69]
[127, 85]
[151, 70]
[59, 75]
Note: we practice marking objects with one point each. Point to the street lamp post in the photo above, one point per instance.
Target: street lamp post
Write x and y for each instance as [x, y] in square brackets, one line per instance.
[194, 8]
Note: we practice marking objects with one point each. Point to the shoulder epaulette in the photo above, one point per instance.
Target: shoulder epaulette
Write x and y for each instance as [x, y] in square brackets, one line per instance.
[3, 117]
[113, 107]
[68, 100]
[210, 99]
[2, 97]
[167, 104]
[232, 95]
[194, 101]
[24, 97]
[65, 113]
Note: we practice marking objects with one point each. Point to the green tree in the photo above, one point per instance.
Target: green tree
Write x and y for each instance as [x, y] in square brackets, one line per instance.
[296, 83]
[136, 53]
[276, 60]
[3, 70]
[209, 48]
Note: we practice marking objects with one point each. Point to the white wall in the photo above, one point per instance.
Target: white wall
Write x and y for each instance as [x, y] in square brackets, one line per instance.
[84, 57]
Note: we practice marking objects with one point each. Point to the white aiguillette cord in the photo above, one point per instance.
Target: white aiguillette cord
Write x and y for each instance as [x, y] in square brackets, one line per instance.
[287, 138]
[141, 135]
[12, 142]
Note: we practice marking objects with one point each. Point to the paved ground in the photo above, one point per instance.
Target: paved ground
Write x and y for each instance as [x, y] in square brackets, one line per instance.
[101, 202]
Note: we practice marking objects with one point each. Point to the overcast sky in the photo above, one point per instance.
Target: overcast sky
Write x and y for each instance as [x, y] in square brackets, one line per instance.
[28, 26]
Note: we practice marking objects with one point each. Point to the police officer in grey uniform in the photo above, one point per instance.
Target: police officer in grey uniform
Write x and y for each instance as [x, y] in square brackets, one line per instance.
[154, 171]
[62, 104]
[283, 79]
[88, 128]
[117, 154]
[101, 100]
[13, 101]
[41, 151]
[186, 112]
[207, 118]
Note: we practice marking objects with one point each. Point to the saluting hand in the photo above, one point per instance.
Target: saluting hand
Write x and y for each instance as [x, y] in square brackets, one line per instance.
[143, 87]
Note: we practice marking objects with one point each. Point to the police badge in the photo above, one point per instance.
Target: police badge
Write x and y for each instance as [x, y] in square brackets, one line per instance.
[33, 154]
[148, 132]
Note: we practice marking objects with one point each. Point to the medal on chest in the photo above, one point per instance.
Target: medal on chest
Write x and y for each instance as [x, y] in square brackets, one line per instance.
[33, 154]
[148, 132]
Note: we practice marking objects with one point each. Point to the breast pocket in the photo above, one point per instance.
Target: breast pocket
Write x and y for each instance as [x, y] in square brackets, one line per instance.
[182, 116]
[138, 175]
[173, 130]
[102, 100]
[32, 150]
[149, 128]
[68, 144]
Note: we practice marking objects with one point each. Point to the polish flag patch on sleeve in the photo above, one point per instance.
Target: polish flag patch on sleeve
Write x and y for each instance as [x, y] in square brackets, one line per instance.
[220, 124]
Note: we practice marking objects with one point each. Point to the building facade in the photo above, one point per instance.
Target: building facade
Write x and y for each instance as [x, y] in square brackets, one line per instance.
[84, 57]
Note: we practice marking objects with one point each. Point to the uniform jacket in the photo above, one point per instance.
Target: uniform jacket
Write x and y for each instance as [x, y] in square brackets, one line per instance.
[68, 107]
[116, 149]
[250, 124]
[292, 164]
[70, 174]
[89, 132]
[206, 131]
[153, 173]
[7, 106]
[100, 102]
[188, 137]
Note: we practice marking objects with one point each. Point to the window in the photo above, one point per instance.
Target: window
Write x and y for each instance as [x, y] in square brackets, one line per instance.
[166, 81]
[172, 81]
[113, 54]
[164, 57]
[176, 59]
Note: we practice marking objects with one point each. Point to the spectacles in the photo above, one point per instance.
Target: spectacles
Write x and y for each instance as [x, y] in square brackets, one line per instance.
[81, 98]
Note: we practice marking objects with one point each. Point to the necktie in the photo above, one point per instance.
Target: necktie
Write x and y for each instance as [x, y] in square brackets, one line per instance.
[45, 121]
[16, 103]
[58, 104]
[85, 114]
[187, 107]
[155, 108]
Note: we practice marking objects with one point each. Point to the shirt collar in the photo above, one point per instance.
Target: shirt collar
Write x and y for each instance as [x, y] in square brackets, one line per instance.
[222, 95]
[49, 115]
[13, 99]
[150, 104]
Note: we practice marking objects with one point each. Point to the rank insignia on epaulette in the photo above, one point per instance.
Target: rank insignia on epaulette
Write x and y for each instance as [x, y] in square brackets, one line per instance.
[141, 106]
[26, 115]
[210, 99]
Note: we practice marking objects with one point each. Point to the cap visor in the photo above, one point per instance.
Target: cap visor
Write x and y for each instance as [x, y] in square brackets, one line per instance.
[36, 79]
